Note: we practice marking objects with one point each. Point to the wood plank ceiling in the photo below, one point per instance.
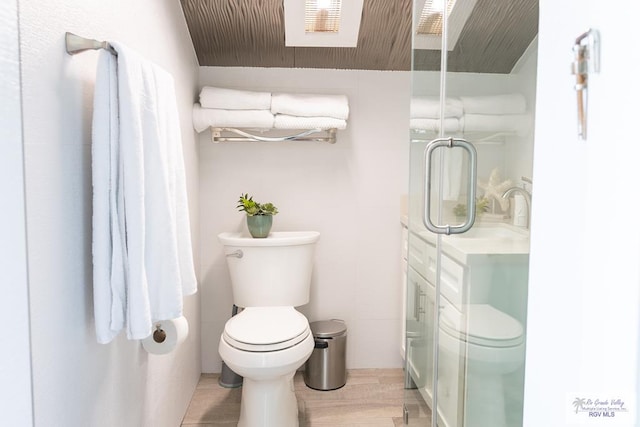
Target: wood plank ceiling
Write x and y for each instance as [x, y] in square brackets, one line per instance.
[250, 33]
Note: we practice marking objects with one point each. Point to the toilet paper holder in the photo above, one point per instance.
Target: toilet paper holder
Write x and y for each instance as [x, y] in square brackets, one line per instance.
[159, 335]
[166, 335]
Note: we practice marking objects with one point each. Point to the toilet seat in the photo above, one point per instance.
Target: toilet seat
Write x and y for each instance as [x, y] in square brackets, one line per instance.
[486, 326]
[266, 329]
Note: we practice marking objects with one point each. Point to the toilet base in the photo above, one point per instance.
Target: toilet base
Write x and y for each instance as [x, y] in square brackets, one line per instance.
[485, 405]
[269, 403]
[268, 396]
[486, 371]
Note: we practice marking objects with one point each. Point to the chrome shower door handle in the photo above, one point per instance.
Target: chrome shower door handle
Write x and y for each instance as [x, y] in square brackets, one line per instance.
[471, 191]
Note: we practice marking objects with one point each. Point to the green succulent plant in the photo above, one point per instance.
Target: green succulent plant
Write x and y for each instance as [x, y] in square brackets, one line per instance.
[252, 208]
[482, 205]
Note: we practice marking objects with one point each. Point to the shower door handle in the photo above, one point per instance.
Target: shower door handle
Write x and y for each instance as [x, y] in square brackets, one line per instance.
[471, 192]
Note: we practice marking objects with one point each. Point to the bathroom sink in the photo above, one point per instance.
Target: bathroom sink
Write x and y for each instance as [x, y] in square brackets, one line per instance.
[482, 239]
[494, 232]
[485, 239]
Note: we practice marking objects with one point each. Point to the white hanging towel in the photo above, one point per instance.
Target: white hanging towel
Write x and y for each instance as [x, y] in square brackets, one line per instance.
[306, 105]
[452, 174]
[158, 262]
[109, 263]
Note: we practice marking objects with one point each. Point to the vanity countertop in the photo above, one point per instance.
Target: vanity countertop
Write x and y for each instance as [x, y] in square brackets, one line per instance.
[485, 238]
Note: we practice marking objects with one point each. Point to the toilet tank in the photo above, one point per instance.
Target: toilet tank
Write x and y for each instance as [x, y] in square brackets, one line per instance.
[273, 271]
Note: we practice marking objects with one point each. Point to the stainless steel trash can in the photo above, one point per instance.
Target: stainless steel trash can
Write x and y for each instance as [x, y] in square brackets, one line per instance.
[326, 368]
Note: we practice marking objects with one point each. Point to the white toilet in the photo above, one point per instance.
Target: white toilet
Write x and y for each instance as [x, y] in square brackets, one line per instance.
[493, 344]
[269, 340]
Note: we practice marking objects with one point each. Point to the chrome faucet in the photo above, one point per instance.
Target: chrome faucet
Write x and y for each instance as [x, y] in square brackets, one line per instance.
[527, 198]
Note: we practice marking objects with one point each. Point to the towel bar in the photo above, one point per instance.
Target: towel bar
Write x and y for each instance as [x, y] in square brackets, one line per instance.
[76, 44]
[329, 135]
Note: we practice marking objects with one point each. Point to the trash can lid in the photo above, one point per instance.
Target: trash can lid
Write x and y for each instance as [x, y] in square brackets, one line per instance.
[328, 328]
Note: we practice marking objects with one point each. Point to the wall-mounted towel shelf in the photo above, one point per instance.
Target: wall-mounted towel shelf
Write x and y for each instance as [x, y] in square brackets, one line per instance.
[238, 135]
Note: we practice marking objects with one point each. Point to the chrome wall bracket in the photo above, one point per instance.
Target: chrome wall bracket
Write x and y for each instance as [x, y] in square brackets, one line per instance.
[586, 61]
[76, 44]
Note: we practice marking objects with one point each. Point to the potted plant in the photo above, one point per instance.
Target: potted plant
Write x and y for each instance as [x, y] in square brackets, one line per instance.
[259, 215]
[482, 206]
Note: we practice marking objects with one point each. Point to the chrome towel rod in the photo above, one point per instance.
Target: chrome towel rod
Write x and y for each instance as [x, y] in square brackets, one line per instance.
[76, 44]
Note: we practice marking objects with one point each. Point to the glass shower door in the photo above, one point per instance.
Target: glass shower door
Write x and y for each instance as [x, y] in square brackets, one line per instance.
[466, 293]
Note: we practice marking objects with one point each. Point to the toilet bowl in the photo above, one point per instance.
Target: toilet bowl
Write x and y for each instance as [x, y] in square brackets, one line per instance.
[266, 345]
[492, 344]
[269, 340]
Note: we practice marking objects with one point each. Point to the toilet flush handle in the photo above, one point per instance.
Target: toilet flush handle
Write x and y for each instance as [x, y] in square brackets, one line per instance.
[235, 254]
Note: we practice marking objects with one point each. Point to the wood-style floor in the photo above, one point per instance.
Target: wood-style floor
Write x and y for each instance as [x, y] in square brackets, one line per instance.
[371, 398]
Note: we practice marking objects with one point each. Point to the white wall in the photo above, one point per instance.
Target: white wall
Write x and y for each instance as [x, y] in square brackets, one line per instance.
[583, 325]
[15, 357]
[349, 192]
[519, 152]
[77, 382]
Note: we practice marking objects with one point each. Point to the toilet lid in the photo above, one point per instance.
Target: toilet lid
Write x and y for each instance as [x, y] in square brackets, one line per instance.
[266, 329]
[487, 326]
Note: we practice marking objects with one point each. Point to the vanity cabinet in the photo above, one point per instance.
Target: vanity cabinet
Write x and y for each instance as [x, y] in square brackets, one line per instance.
[420, 309]
[420, 337]
[422, 257]
[473, 269]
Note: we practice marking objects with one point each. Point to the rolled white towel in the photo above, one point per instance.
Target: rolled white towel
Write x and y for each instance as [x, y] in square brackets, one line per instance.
[428, 107]
[306, 105]
[232, 99]
[204, 118]
[518, 123]
[450, 125]
[513, 103]
[283, 121]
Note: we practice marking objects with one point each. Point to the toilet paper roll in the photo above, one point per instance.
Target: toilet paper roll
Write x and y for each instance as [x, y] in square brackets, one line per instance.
[166, 335]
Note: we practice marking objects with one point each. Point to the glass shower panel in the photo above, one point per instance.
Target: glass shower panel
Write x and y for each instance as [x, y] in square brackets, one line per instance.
[420, 292]
[467, 293]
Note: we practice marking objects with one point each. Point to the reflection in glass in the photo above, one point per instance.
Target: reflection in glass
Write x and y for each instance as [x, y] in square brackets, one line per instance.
[467, 294]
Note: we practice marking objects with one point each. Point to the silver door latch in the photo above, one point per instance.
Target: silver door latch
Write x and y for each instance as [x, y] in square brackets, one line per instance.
[586, 51]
